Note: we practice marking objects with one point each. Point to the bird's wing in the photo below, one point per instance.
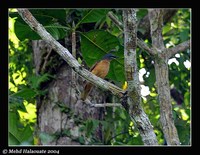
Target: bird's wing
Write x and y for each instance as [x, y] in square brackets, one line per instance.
[101, 68]
[93, 66]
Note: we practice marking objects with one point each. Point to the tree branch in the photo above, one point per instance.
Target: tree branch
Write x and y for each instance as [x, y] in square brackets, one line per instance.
[145, 47]
[66, 55]
[144, 23]
[140, 42]
[115, 20]
[100, 105]
[73, 89]
[178, 48]
[45, 61]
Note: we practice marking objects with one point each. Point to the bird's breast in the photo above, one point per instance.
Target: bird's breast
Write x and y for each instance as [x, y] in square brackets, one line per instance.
[102, 68]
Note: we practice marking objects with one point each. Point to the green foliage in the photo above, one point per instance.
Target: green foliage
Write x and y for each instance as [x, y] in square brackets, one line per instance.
[91, 126]
[16, 103]
[92, 15]
[98, 35]
[21, 120]
[151, 78]
[18, 134]
[23, 31]
[36, 81]
[31, 91]
[95, 44]
[141, 13]
[118, 128]
[25, 93]
[176, 31]
[49, 18]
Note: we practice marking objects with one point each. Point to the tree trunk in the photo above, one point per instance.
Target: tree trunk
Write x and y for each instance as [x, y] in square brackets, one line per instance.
[166, 117]
[135, 110]
[162, 77]
[60, 110]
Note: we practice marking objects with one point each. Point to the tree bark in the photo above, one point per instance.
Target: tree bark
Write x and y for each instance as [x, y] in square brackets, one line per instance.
[162, 77]
[60, 111]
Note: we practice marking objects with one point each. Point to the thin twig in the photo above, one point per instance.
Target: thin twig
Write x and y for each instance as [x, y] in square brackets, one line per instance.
[99, 105]
[145, 47]
[73, 41]
[122, 133]
[46, 60]
[74, 53]
[73, 77]
[107, 105]
[115, 20]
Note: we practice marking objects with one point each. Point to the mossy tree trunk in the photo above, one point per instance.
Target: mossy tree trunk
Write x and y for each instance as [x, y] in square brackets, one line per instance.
[60, 111]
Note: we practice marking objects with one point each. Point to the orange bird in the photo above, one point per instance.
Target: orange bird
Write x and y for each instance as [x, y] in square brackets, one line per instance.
[100, 69]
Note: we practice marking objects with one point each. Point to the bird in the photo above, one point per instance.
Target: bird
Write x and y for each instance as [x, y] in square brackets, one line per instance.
[100, 69]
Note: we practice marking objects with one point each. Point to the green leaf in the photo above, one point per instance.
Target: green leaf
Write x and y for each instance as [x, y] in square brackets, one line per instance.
[17, 136]
[37, 80]
[23, 31]
[81, 140]
[16, 103]
[184, 35]
[122, 115]
[27, 134]
[183, 129]
[166, 29]
[56, 30]
[13, 140]
[44, 16]
[116, 72]
[95, 44]
[91, 125]
[141, 13]
[151, 79]
[66, 132]
[25, 93]
[187, 100]
[47, 16]
[50, 19]
[14, 133]
[93, 15]
[14, 137]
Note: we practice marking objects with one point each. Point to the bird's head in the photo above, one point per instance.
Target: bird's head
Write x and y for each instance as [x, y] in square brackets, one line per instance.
[109, 56]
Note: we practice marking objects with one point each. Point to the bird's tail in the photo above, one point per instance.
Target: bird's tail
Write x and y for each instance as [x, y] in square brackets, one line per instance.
[86, 91]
